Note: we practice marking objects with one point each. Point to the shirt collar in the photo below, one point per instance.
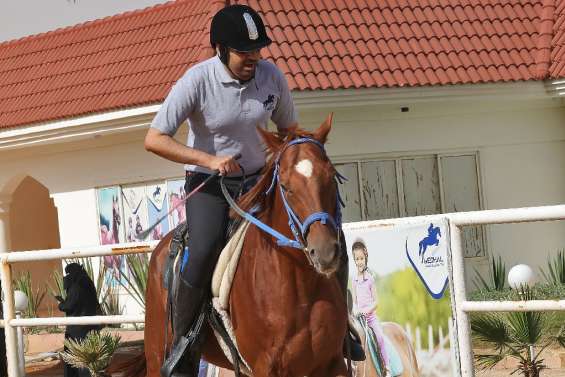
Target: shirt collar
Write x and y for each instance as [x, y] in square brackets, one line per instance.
[363, 277]
[222, 72]
[225, 77]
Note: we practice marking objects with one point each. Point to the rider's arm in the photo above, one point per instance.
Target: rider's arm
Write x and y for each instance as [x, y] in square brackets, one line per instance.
[166, 146]
[176, 108]
[375, 303]
[354, 294]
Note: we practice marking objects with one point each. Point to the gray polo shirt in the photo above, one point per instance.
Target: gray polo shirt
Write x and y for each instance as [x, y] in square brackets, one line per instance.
[223, 114]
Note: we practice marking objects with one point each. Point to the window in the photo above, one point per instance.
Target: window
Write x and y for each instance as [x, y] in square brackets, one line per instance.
[414, 186]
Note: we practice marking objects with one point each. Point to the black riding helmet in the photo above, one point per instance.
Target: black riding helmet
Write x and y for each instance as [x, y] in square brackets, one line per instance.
[238, 27]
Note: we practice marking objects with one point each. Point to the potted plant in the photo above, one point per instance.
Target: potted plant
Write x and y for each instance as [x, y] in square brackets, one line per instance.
[93, 353]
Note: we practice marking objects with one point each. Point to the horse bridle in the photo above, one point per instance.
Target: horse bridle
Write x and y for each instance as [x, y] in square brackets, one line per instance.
[299, 229]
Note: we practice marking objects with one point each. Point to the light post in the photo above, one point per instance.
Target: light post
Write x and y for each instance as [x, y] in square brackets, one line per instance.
[520, 277]
[20, 305]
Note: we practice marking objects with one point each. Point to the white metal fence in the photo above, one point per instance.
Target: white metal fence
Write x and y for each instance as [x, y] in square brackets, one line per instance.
[10, 323]
[457, 271]
[457, 279]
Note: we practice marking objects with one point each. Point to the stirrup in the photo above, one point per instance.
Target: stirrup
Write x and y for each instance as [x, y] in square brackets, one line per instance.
[185, 343]
[175, 356]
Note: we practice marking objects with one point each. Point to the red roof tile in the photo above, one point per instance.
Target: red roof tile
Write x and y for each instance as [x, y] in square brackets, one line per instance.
[132, 59]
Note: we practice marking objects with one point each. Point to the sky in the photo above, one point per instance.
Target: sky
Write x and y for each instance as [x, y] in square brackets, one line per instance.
[19, 18]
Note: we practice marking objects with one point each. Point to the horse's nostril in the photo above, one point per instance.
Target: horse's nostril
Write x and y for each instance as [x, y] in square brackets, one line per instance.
[312, 252]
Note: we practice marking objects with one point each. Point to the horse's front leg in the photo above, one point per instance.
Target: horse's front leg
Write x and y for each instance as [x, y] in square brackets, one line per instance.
[335, 368]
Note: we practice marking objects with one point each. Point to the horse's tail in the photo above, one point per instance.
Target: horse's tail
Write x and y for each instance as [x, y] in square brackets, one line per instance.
[133, 367]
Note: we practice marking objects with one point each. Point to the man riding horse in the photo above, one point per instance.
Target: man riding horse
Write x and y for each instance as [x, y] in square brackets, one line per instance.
[224, 99]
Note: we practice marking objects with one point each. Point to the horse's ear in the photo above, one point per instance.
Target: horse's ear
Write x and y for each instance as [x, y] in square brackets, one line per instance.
[272, 140]
[321, 134]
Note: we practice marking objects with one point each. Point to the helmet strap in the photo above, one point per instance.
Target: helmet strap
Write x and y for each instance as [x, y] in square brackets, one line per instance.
[224, 54]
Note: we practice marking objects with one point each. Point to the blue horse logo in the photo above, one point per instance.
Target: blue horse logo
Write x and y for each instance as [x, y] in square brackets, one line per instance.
[431, 240]
[156, 193]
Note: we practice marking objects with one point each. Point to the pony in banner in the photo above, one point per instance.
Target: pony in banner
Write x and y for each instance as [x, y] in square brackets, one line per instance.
[399, 340]
[288, 312]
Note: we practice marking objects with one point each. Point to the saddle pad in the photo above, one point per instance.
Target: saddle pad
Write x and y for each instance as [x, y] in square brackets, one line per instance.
[396, 367]
[226, 320]
[227, 265]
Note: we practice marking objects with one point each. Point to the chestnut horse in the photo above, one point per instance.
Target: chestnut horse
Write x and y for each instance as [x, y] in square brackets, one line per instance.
[287, 309]
[403, 345]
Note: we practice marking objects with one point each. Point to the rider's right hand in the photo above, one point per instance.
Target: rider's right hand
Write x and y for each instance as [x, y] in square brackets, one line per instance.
[225, 165]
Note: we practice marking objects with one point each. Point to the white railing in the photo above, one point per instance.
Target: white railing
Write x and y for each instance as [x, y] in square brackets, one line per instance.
[10, 322]
[457, 272]
[456, 262]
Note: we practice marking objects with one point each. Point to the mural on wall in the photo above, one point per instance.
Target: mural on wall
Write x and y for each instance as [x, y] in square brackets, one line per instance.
[157, 207]
[135, 211]
[111, 228]
[176, 193]
[126, 211]
[398, 298]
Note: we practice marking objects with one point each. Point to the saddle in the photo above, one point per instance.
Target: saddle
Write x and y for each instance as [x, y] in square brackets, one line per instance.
[216, 312]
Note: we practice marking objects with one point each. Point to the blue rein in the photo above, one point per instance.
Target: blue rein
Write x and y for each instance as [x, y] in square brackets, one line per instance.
[299, 229]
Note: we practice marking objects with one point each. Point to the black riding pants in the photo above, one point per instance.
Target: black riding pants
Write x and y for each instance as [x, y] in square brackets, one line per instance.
[207, 218]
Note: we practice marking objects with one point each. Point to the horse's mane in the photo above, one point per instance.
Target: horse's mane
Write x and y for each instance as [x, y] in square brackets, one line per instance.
[257, 197]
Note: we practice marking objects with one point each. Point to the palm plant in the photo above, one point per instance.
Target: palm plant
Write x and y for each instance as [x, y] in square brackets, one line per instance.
[135, 283]
[497, 276]
[93, 353]
[57, 289]
[35, 297]
[111, 304]
[519, 335]
[555, 273]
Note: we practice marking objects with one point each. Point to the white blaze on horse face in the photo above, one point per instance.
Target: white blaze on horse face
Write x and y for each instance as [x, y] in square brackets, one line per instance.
[305, 168]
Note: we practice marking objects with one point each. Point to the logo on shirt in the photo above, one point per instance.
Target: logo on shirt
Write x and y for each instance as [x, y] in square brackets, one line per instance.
[269, 103]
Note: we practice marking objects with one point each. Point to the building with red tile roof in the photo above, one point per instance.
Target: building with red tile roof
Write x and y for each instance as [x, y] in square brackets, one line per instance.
[439, 106]
[132, 59]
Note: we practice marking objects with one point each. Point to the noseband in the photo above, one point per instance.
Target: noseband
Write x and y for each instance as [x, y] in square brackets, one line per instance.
[299, 229]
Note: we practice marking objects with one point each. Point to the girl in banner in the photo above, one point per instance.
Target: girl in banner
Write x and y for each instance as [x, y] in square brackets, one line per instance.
[365, 298]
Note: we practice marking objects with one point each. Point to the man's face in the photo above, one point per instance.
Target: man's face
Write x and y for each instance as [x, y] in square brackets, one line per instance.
[243, 64]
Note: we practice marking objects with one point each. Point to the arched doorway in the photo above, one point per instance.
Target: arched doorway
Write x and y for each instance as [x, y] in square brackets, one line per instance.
[33, 225]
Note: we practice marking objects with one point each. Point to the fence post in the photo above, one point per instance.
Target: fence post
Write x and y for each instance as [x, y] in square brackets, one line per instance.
[7, 289]
[463, 333]
[8, 308]
[409, 332]
[430, 339]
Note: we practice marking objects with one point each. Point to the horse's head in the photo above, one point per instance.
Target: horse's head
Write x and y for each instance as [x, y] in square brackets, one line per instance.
[306, 182]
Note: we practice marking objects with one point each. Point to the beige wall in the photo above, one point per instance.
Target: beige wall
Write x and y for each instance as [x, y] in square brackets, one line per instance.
[34, 226]
[521, 147]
